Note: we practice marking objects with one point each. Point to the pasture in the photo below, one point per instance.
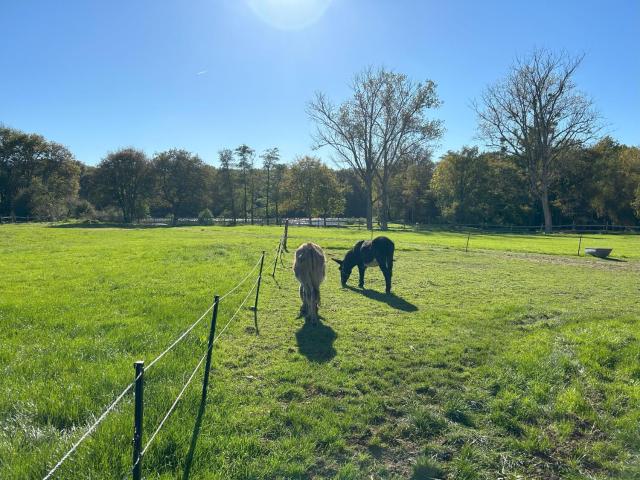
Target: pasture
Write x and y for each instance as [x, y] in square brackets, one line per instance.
[517, 359]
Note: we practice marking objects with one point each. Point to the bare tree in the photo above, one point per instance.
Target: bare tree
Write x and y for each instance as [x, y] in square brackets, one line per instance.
[270, 157]
[536, 113]
[383, 121]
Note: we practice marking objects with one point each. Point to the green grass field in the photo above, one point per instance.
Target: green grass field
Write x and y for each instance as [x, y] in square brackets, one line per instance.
[518, 359]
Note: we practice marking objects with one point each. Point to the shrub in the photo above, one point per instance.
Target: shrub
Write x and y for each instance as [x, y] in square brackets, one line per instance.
[205, 217]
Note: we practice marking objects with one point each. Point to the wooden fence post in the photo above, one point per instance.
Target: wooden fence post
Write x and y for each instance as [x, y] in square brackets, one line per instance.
[466, 249]
[137, 420]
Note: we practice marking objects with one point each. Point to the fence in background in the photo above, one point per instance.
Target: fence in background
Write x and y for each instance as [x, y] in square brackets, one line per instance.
[137, 385]
[360, 223]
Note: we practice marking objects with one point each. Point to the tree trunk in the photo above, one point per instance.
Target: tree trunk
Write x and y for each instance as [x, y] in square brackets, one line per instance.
[266, 208]
[369, 193]
[384, 208]
[548, 224]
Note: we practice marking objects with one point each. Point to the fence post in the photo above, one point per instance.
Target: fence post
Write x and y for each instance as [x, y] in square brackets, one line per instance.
[212, 332]
[255, 305]
[275, 262]
[137, 420]
[579, 244]
[466, 249]
[286, 235]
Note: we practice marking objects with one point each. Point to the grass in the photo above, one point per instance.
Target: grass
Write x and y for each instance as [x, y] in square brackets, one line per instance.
[517, 359]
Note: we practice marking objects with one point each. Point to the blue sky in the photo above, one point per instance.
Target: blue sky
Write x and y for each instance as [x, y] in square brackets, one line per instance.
[208, 74]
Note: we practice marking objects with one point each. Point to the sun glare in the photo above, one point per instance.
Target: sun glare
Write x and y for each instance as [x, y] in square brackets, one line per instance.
[289, 14]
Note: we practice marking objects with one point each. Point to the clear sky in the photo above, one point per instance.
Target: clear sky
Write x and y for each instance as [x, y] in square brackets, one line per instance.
[208, 74]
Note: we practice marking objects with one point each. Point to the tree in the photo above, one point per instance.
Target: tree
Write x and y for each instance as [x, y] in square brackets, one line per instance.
[328, 194]
[458, 183]
[411, 196]
[54, 187]
[313, 188]
[270, 158]
[245, 164]
[125, 178]
[19, 154]
[536, 113]
[279, 174]
[226, 161]
[180, 182]
[383, 121]
[618, 177]
[37, 177]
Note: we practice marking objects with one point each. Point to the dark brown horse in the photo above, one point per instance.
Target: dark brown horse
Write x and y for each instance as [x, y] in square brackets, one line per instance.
[368, 253]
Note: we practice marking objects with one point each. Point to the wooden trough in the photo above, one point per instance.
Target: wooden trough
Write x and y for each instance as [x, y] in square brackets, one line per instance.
[598, 252]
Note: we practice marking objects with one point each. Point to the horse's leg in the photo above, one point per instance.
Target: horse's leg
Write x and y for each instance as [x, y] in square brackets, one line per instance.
[386, 271]
[316, 302]
[390, 268]
[303, 307]
[361, 270]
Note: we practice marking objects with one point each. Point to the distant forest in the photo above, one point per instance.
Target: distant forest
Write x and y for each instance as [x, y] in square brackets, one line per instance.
[547, 163]
[42, 179]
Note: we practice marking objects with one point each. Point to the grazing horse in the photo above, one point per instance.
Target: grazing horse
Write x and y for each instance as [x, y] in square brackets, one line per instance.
[309, 266]
[368, 253]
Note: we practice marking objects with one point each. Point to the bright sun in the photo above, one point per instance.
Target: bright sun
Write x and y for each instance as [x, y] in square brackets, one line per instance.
[289, 14]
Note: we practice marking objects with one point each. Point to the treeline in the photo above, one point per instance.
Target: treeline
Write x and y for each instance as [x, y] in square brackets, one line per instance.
[42, 179]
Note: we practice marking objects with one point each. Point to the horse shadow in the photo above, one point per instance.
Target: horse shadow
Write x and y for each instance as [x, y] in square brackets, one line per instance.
[390, 299]
[316, 341]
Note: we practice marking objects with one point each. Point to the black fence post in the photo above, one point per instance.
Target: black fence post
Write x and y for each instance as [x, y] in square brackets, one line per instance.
[255, 305]
[579, 244]
[137, 420]
[286, 235]
[212, 332]
[275, 262]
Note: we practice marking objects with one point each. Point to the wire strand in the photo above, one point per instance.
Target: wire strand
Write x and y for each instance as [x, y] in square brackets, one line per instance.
[184, 334]
[242, 281]
[236, 312]
[90, 430]
[184, 388]
[173, 406]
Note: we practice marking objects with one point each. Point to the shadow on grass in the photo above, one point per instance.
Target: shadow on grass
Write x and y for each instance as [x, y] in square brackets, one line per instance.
[390, 299]
[316, 342]
[613, 259]
[194, 439]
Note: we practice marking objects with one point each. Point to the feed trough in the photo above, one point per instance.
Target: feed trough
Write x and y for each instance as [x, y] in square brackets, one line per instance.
[598, 252]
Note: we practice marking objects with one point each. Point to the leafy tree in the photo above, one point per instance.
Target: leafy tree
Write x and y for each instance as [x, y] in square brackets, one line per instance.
[37, 177]
[277, 180]
[328, 194]
[617, 178]
[536, 114]
[245, 164]
[228, 181]
[270, 158]
[180, 182]
[458, 183]
[124, 176]
[411, 197]
[313, 188]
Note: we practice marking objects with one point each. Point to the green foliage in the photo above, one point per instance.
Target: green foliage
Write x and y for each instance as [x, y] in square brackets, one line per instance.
[205, 217]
